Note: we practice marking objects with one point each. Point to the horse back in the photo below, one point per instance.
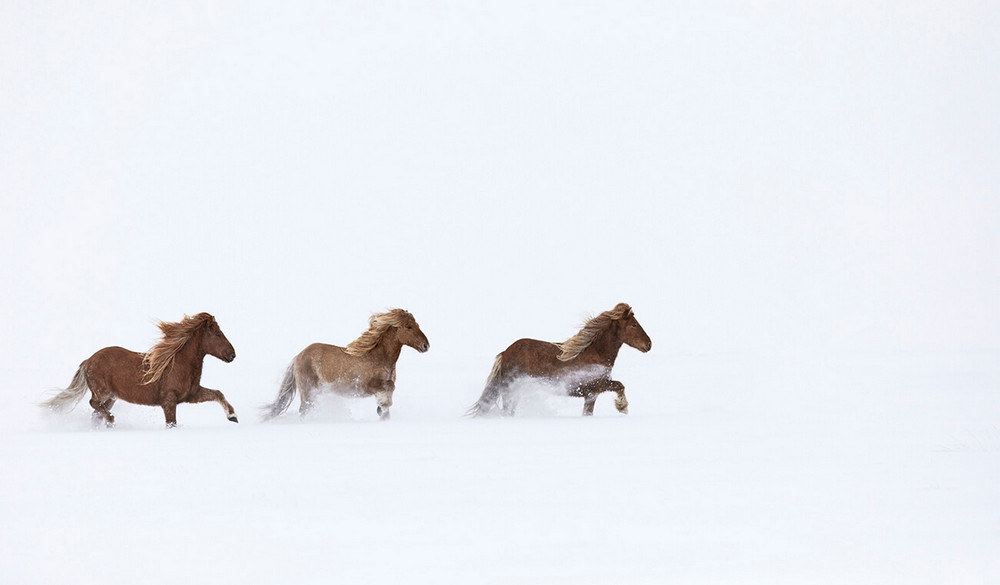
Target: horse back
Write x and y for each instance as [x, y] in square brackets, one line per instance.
[322, 363]
[532, 357]
[119, 371]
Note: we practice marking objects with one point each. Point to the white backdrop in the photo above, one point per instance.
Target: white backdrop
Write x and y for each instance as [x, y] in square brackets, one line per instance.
[800, 200]
[771, 177]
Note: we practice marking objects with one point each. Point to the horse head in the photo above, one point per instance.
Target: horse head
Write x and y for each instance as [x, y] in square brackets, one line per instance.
[409, 333]
[633, 334]
[214, 341]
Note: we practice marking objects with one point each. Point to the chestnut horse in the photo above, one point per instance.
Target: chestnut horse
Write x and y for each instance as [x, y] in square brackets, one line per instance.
[166, 375]
[582, 364]
[366, 367]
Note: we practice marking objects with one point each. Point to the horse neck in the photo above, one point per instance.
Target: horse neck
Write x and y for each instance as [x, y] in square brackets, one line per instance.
[388, 348]
[606, 345]
[189, 360]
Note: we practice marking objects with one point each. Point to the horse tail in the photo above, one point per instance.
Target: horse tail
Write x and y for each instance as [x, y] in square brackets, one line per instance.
[491, 394]
[285, 394]
[68, 398]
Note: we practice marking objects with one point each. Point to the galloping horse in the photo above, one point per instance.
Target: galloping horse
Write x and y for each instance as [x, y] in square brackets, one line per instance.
[366, 367]
[582, 363]
[166, 375]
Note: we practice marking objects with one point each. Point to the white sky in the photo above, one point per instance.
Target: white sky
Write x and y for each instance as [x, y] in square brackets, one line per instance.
[749, 176]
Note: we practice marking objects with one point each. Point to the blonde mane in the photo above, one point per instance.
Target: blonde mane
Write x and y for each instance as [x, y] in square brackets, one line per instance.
[175, 336]
[378, 324]
[575, 345]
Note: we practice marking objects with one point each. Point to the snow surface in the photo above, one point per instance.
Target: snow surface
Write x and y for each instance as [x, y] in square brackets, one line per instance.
[800, 200]
[730, 469]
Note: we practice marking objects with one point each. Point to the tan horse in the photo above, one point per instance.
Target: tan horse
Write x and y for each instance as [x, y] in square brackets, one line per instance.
[165, 376]
[582, 364]
[366, 367]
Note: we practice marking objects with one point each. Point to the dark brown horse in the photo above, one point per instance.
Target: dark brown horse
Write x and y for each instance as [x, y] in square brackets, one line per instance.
[166, 375]
[366, 367]
[582, 364]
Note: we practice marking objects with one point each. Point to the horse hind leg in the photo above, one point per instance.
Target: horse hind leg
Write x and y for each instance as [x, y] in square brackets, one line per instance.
[308, 381]
[509, 399]
[307, 396]
[102, 403]
[495, 387]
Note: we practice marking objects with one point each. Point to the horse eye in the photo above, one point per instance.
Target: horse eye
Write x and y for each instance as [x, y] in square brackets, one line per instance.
[634, 325]
[409, 326]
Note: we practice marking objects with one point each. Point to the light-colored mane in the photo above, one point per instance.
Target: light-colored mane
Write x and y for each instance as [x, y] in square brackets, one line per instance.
[575, 345]
[378, 324]
[175, 336]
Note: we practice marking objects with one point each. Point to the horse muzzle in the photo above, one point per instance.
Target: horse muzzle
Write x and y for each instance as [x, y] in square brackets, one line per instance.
[229, 358]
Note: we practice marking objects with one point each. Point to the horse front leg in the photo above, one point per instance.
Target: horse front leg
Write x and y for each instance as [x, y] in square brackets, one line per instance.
[383, 398]
[384, 401]
[621, 403]
[169, 405]
[209, 395]
[592, 391]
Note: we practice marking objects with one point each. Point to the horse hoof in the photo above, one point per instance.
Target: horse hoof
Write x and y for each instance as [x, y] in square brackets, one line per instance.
[233, 418]
[172, 425]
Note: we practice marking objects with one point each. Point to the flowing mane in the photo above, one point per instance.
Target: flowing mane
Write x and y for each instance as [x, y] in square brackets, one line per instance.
[175, 336]
[573, 346]
[378, 324]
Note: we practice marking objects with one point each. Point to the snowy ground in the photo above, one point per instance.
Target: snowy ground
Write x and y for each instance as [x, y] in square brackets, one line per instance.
[857, 468]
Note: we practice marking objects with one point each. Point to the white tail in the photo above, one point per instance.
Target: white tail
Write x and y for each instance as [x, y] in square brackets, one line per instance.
[285, 394]
[68, 398]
